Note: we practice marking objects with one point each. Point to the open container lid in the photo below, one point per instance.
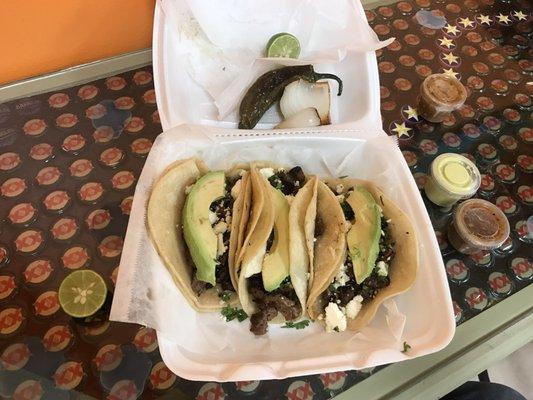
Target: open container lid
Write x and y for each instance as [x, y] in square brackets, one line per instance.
[181, 99]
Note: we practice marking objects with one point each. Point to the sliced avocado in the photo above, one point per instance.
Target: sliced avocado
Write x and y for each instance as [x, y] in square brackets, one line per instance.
[276, 262]
[197, 230]
[363, 237]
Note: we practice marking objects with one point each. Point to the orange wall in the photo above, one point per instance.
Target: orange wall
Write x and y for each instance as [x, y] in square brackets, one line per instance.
[39, 36]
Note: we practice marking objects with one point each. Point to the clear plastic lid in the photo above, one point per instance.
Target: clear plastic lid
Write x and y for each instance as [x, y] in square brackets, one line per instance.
[456, 174]
[444, 90]
[481, 224]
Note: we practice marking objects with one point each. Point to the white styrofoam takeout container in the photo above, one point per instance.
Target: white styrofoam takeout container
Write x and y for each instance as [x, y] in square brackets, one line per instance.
[427, 305]
[283, 353]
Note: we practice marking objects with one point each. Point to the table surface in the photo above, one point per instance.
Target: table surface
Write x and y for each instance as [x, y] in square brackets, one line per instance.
[67, 180]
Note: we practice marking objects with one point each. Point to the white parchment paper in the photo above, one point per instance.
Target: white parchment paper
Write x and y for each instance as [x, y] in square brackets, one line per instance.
[224, 42]
[146, 294]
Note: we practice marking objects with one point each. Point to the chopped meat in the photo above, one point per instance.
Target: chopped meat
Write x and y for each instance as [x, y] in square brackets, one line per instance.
[282, 300]
[270, 240]
[222, 274]
[290, 309]
[319, 226]
[344, 294]
[258, 323]
[288, 182]
[270, 312]
[257, 293]
[348, 211]
[198, 286]
[259, 320]
[223, 277]
[372, 284]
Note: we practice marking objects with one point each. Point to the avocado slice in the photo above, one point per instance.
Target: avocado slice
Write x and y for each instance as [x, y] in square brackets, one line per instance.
[363, 236]
[276, 262]
[197, 230]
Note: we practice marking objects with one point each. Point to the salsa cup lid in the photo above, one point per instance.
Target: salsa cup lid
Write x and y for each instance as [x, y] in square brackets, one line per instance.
[456, 174]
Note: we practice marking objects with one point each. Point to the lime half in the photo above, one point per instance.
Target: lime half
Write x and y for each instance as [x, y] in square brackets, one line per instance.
[82, 293]
[283, 45]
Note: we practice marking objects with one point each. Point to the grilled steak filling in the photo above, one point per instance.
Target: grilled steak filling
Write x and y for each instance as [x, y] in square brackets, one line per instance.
[288, 182]
[282, 300]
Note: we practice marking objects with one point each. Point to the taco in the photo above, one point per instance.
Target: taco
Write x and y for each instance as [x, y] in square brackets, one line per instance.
[365, 252]
[265, 288]
[194, 217]
[302, 217]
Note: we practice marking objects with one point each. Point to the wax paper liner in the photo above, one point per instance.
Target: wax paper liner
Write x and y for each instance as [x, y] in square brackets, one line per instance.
[146, 294]
[224, 42]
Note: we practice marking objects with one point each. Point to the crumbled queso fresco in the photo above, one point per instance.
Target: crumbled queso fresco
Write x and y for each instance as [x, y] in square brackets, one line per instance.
[212, 218]
[354, 306]
[267, 172]
[220, 227]
[383, 268]
[342, 277]
[336, 316]
[221, 247]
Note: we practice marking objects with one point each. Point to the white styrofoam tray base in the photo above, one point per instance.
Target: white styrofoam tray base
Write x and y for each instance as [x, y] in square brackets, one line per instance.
[430, 323]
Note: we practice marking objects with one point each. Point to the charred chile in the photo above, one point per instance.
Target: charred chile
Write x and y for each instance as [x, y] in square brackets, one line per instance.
[269, 88]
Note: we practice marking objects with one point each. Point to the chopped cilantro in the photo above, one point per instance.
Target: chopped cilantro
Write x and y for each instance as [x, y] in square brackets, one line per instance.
[348, 211]
[230, 313]
[285, 283]
[224, 296]
[276, 182]
[297, 325]
[406, 347]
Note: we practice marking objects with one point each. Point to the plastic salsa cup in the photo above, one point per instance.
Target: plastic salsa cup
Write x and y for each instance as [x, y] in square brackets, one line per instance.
[452, 177]
[440, 94]
[477, 225]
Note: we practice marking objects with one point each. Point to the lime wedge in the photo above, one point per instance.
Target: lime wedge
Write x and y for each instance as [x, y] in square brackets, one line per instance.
[82, 293]
[283, 45]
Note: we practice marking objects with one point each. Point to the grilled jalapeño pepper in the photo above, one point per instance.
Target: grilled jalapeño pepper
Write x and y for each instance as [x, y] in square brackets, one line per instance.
[269, 88]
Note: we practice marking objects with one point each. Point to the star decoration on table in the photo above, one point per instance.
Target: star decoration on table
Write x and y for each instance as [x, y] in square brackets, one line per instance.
[445, 42]
[401, 129]
[503, 19]
[484, 19]
[451, 58]
[466, 22]
[451, 29]
[519, 15]
[411, 113]
[450, 72]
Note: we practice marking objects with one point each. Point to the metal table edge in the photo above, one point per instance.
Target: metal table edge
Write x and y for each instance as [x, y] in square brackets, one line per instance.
[478, 343]
[76, 75]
